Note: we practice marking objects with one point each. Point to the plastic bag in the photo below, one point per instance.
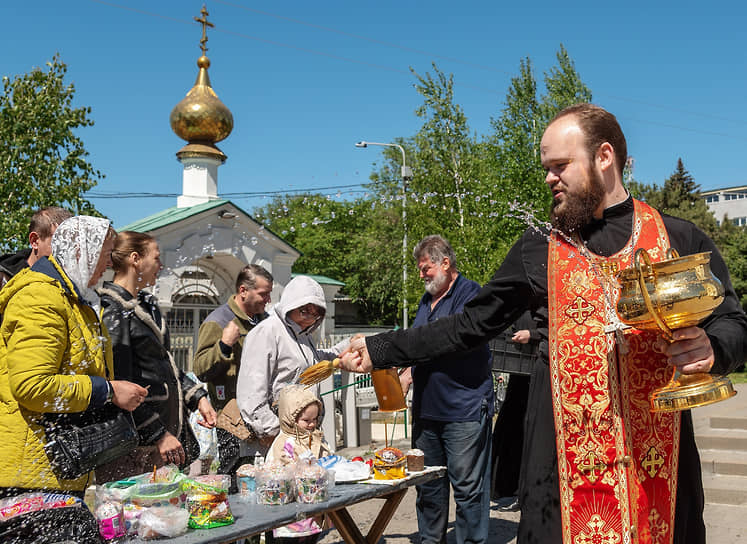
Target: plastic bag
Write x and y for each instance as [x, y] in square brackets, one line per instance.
[25, 503]
[275, 484]
[330, 461]
[207, 501]
[245, 479]
[162, 521]
[110, 500]
[312, 481]
[206, 438]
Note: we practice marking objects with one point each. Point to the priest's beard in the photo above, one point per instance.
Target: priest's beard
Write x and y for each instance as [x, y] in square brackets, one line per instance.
[578, 207]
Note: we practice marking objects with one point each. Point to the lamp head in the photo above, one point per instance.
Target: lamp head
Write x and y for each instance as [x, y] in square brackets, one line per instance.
[361, 144]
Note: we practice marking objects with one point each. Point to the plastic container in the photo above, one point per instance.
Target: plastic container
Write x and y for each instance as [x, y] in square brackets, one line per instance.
[512, 357]
[160, 494]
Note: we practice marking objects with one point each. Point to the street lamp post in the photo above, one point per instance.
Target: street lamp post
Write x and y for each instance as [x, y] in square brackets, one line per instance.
[406, 172]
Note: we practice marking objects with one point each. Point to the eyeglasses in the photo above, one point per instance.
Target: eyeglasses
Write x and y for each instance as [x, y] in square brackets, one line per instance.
[308, 313]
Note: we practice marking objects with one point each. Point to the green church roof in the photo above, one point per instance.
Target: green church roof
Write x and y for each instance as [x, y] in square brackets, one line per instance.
[174, 215]
[171, 215]
[323, 280]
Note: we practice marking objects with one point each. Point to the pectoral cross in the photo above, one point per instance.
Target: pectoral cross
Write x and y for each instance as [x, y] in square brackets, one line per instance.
[205, 23]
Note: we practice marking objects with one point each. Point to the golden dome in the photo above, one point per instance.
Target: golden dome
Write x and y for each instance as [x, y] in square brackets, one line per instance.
[201, 117]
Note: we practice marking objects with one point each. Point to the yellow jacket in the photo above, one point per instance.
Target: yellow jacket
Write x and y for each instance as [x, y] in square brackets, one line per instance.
[51, 343]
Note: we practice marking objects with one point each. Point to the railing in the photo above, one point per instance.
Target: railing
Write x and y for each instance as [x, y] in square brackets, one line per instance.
[352, 400]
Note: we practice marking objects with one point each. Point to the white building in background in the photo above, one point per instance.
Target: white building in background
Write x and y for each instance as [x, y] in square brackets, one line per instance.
[206, 240]
[729, 202]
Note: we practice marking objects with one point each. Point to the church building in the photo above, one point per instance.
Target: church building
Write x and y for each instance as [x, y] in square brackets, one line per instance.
[206, 240]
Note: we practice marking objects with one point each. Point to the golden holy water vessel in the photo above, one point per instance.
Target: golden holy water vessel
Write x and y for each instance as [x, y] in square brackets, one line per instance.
[672, 294]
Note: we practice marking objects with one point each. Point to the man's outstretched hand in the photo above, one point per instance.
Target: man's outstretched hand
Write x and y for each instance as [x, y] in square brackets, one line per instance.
[360, 361]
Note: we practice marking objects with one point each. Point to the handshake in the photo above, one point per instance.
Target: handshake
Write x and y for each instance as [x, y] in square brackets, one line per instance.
[355, 357]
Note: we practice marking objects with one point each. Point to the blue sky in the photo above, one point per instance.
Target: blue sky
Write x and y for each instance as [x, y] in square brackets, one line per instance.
[306, 80]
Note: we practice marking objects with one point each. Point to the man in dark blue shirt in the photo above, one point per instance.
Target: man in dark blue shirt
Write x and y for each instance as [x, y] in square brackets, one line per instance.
[452, 408]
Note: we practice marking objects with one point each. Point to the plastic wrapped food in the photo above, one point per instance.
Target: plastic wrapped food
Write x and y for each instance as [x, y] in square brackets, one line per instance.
[110, 517]
[275, 484]
[312, 482]
[245, 479]
[207, 501]
[162, 521]
[389, 464]
[24, 503]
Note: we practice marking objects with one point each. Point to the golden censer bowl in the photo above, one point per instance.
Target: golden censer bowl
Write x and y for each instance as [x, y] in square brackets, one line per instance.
[672, 294]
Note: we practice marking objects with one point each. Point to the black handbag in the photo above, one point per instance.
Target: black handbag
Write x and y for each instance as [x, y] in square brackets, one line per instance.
[77, 443]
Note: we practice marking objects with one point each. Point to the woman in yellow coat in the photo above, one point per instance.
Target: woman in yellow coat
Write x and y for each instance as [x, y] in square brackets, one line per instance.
[54, 357]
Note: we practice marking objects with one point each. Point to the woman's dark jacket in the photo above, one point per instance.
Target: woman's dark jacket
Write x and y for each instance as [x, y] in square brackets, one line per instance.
[140, 341]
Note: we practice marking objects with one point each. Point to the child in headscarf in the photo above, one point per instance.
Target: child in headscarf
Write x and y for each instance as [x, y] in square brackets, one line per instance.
[300, 414]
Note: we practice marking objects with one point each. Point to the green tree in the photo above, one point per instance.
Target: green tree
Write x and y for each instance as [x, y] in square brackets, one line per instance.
[348, 241]
[513, 154]
[447, 194]
[515, 140]
[513, 159]
[42, 161]
[564, 87]
[732, 243]
[680, 196]
[474, 191]
[470, 189]
[315, 225]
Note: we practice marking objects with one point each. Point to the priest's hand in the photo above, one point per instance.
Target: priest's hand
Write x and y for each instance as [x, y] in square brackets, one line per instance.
[360, 361]
[690, 351]
[405, 380]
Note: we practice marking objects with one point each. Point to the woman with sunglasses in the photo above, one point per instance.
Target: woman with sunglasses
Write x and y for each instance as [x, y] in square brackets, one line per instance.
[276, 352]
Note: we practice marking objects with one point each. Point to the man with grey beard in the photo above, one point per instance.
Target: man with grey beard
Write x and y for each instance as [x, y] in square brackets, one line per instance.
[452, 408]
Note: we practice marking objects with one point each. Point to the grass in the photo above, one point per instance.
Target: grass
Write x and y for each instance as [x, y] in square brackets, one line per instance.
[738, 377]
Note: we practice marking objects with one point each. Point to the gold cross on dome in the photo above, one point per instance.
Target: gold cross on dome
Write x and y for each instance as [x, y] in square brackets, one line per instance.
[205, 23]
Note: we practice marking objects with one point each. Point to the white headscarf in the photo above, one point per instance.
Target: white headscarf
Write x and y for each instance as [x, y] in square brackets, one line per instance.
[76, 246]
